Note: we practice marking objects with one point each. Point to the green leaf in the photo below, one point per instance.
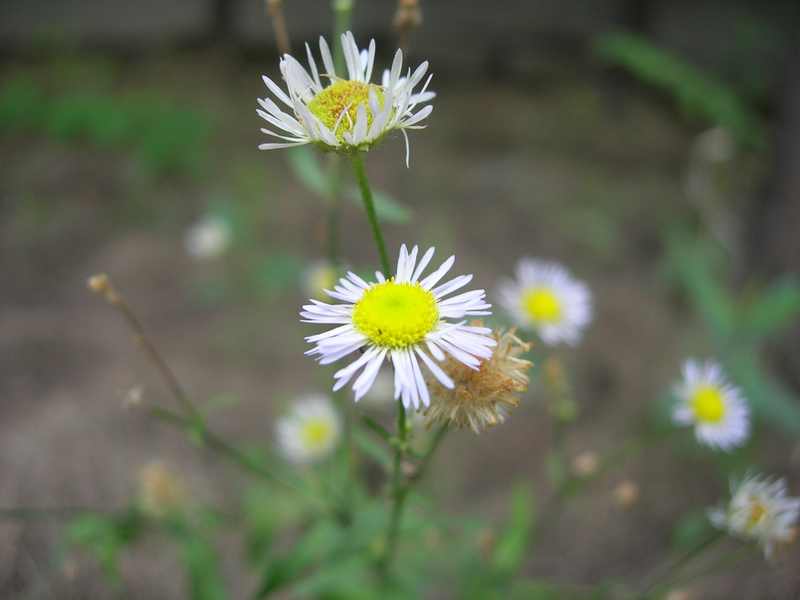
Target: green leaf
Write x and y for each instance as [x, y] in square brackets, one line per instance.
[693, 264]
[376, 427]
[319, 542]
[377, 452]
[105, 536]
[768, 398]
[387, 208]
[691, 531]
[698, 93]
[777, 307]
[202, 568]
[305, 166]
[513, 541]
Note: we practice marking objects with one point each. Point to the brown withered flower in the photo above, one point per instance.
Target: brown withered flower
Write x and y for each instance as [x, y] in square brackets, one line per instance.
[482, 398]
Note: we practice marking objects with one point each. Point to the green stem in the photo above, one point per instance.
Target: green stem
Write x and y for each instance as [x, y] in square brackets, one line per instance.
[210, 439]
[673, 568]
[342, 9]
[369, 206]
[399, 491]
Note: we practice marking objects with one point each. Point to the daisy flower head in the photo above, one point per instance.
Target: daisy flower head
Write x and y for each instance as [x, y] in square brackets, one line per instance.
[405, 319]
[343, 113]
[482, 398]
[309, 431]
[716, 409]
[760, 510]
[545, 298]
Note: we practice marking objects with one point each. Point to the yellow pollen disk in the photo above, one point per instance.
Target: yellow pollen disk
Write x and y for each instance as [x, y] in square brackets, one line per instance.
[342, 95]
[542, 305]
[316, 433]
[757, 513]
[396, 315]
[708, 405]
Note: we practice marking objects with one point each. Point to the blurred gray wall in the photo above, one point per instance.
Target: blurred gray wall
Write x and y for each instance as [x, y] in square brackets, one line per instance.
[716, 33]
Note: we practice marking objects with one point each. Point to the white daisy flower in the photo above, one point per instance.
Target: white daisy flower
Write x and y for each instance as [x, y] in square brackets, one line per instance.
[310, 430]
[209, 238]
[545, 298]
[349, 113]
[759, 510]
[716, 409]
[402, 319]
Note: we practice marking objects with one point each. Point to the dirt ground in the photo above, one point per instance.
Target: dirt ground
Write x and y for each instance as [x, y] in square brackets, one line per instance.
[564, 169]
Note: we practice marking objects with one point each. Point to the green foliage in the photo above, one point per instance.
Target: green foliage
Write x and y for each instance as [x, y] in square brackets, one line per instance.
[691, 531]
[164, 136]
[201, 563]
[740, 324]
[699, 94]
[105, 536]
[513, 542]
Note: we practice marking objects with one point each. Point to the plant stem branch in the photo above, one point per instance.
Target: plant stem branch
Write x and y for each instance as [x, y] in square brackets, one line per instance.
[275, 11]
[369, 206]
[342, 10]
[193, 422]
[673, 568]
[102, 284]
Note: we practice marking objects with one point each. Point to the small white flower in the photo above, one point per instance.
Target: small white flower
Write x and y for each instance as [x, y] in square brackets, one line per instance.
[318, 277]
[716, 409]
[547, 299]
[402, 319]
[208, 238]
[310, 430]
[347, 114]
[759, 510]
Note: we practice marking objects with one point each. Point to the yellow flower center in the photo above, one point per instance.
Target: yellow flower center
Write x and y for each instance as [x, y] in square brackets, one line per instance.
[316, 433]
[344, 96]
[757, 513]
[396, 315]
[542, 305]
[708, 405]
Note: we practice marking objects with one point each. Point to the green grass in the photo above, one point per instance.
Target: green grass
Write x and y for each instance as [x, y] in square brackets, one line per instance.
[163, 136]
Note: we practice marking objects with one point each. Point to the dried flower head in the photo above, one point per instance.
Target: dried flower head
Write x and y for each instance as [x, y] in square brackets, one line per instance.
[626, 494]
[481, 398]
[161, 490]
[585, 464]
